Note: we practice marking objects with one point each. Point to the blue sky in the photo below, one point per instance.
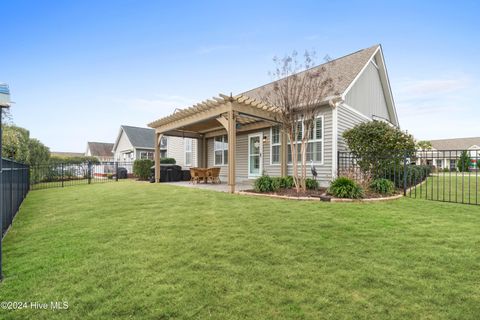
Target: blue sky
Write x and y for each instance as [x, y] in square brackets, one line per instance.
[77, 70]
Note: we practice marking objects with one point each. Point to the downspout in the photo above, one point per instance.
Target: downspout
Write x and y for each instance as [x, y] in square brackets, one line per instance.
[334, 103]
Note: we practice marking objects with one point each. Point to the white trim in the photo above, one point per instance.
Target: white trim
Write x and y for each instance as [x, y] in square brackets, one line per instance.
[185, 151]
[223, 151]
[374, 64]
[319, 163]
[334, 141]
[349, 108]
[279, 144]
[260, 139]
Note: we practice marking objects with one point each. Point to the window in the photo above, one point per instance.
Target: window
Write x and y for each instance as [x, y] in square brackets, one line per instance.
[188, 151]
[315, 143]
[275, 145]
[163, 147]
[146, 155]
[220, 150]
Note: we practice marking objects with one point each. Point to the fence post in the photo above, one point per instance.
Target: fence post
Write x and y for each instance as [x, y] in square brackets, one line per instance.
[89, 172]
[63, 178]
[11, 193]
[116, 170]
[405, 174]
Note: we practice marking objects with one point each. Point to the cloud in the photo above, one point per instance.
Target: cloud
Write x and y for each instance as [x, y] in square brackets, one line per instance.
[213, 48]
[437, 107]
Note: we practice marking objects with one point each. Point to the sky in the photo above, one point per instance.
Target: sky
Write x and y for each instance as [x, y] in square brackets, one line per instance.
[78, 70]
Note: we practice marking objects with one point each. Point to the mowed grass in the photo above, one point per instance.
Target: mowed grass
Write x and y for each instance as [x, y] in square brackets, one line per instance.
[451, 187]
[132, 250]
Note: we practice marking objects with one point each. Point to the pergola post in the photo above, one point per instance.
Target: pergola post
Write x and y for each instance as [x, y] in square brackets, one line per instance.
[283, 154]
[232, 142]
[158, 138]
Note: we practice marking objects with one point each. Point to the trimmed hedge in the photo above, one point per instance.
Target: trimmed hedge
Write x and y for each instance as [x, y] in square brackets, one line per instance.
[168, 161]
[272, 184]
[382, 186]
[141, 168]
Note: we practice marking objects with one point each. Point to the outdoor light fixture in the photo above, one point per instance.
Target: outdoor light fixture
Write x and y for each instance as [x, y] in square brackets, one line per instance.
[265, 139]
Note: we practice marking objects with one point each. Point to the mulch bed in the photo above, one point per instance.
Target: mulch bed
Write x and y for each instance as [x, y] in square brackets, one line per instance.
[293, 193]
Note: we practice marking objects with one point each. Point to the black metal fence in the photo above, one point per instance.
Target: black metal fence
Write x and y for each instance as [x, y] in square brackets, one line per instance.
[58, 175]
[15, 186]
[440, 175]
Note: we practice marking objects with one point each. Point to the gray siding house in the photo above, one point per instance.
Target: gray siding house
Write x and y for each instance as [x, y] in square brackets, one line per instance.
[361, 92]
[134, 143]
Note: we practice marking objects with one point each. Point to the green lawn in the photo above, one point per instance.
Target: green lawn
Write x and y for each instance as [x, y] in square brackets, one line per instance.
[135, 250]
[452, 187]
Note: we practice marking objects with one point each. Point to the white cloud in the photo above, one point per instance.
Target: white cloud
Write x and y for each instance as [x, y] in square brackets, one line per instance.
[437, 108]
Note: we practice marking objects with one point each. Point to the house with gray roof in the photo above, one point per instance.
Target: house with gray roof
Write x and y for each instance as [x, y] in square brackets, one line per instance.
[103, 151]
[134, 143]
[245, 129]
[444, 153]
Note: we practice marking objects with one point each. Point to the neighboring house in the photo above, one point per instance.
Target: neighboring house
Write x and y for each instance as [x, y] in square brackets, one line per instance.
[66, 154]
[444, 153]
[103, 151]
[134, 143]
[360, 92]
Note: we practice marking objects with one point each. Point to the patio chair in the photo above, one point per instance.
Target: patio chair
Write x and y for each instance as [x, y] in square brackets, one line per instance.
[197, 174]
[213, 175]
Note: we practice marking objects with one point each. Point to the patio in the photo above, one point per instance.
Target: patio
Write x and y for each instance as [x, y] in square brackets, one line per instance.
[220, 187]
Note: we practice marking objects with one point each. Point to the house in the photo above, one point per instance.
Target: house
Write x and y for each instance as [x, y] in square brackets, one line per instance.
[66, 154]
[360, 92]
[445, 153]
[134, 143]
[103, 151]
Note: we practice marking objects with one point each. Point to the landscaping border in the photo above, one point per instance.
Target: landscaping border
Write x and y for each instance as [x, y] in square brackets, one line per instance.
[322, 198]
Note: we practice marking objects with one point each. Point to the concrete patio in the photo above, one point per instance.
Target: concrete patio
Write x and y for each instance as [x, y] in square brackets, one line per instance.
[221, 187]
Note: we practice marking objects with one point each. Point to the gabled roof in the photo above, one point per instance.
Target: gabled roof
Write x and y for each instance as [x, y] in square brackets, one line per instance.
[343, 71]
[455, 144]
[143, 138]
[100, 149]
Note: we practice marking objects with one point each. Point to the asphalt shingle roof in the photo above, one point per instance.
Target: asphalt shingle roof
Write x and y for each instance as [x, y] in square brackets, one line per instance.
[341, 71]
[140, 137]
[100, 149]
[455, 144]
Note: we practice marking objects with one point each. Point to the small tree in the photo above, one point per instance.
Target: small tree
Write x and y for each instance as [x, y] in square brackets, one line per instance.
[298, 96]
[378, 145]
[141, 168]
[464, 161]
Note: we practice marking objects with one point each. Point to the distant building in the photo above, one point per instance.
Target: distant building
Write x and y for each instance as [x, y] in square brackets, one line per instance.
[103, 151]
[445, 152]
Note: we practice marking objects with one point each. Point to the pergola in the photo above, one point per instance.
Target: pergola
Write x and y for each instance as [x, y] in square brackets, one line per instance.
[221, 115]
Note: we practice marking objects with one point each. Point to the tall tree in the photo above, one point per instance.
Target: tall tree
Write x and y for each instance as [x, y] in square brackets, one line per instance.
[298, 96]
[38, 152]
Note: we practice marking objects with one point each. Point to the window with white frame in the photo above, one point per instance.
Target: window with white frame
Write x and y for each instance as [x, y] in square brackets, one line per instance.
[188, 151]
[314, 145]
[275, 145]
[146, 155]
[220, 150]
[163, 147]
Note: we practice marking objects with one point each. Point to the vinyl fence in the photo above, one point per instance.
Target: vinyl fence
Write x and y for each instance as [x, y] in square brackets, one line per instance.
[440, 175]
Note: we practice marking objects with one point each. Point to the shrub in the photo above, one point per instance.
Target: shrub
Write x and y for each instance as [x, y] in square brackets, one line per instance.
[311, 184]
[287, 182]
[276, 183]
[382, 186]
[343, 187]
[141, 168]
[464, 162]
[168, 161]
[263, 184]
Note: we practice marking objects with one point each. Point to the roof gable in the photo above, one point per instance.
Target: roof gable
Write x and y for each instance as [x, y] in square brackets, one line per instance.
[100, 149]
[343, 71]
[140, 137]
